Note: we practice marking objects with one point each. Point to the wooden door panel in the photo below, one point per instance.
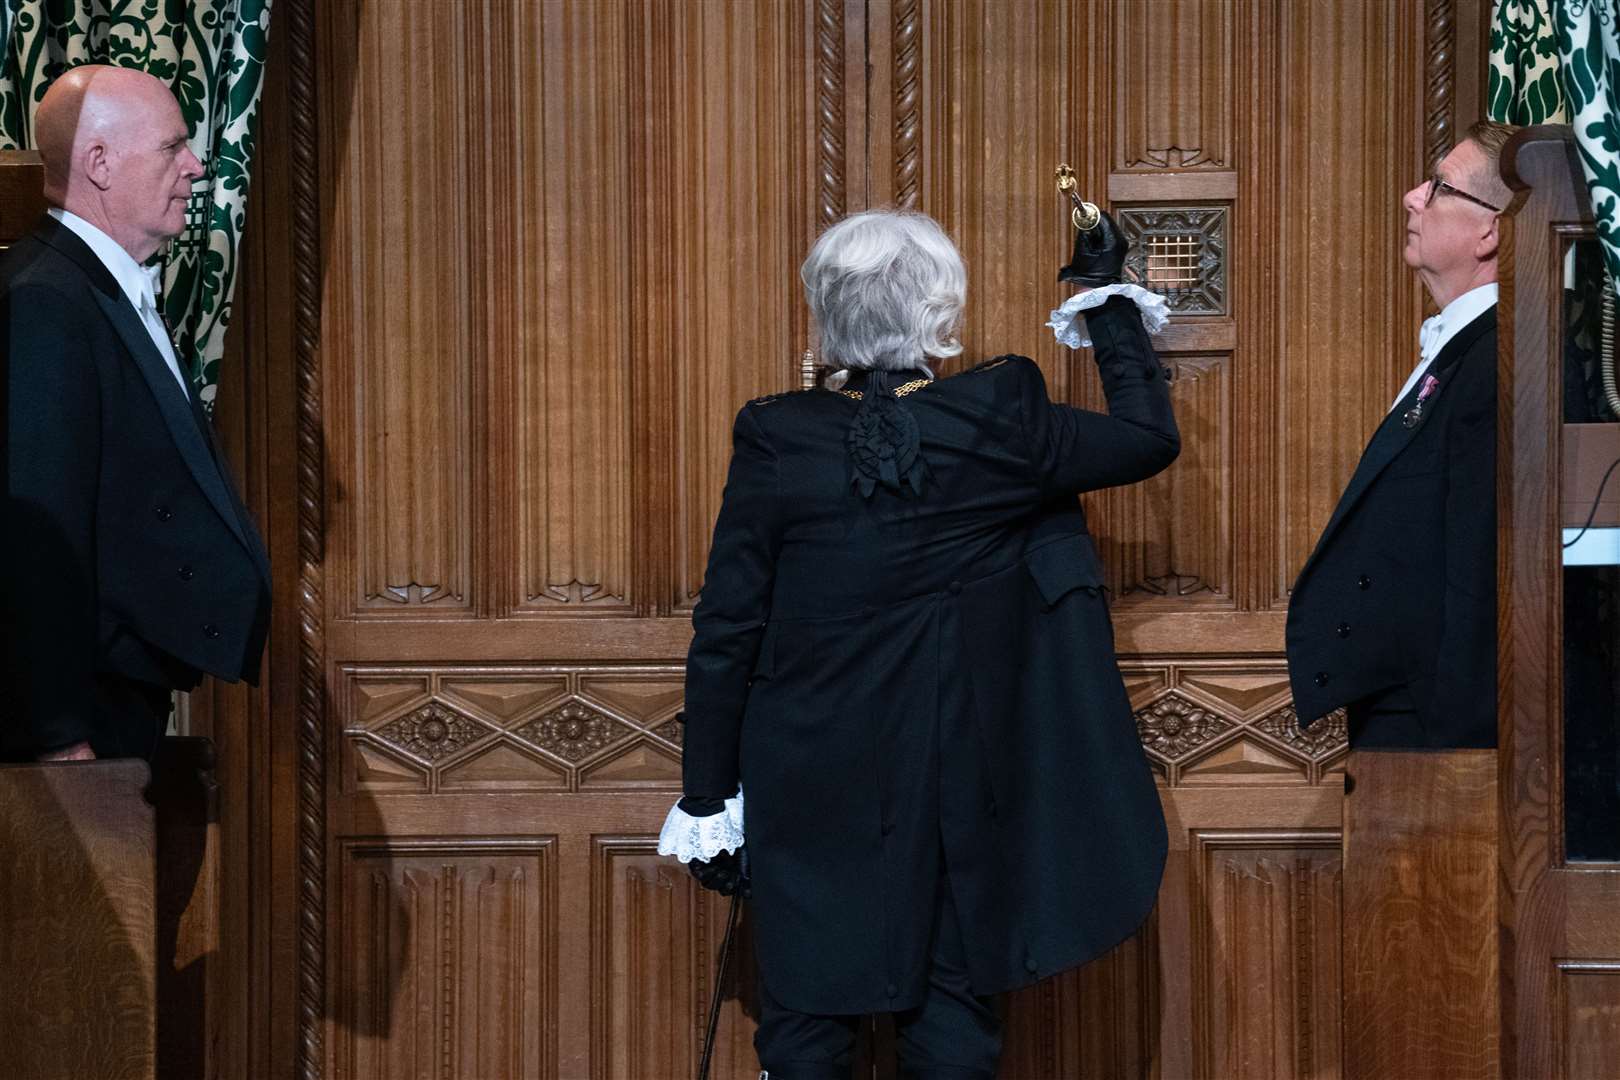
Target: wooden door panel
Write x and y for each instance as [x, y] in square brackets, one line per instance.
[445, 958]
[561, 253]
[1586, 1012]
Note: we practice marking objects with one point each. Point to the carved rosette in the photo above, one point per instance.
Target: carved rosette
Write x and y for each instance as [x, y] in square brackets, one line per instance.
[673, 730]
[574, 731]
[1325, 737]
[1172, 727]
[433, 732]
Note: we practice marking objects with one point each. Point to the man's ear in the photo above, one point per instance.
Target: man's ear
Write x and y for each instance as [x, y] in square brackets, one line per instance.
[96, 162]
[1489, 240]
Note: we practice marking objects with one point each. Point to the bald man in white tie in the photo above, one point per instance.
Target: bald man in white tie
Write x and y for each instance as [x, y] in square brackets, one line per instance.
[133, 566]
[1394, 615]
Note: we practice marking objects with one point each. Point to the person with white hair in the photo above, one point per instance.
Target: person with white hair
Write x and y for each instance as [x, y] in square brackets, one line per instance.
[903, 652]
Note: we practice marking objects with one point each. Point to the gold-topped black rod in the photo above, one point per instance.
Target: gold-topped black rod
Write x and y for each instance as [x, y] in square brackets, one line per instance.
[1084, 215]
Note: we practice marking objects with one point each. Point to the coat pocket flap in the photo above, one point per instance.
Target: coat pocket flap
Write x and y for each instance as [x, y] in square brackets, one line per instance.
[1062, 566]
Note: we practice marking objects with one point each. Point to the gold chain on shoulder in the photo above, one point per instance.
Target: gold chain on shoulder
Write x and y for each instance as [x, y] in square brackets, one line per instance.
[900, 391]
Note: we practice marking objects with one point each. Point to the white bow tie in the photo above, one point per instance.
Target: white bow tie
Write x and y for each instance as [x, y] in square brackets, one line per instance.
[1429, 337]
[153, 277]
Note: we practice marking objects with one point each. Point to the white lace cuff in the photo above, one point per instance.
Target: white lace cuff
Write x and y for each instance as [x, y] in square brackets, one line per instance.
[702, 838]
[1068, 322]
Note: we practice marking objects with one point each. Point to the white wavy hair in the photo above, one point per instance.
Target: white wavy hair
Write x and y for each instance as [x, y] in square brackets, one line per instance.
[886, 289]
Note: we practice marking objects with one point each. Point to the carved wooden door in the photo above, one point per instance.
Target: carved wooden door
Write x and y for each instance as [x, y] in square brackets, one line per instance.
[541, 252]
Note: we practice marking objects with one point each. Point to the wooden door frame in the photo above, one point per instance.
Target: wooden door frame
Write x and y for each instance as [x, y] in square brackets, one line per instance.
[1559, 920]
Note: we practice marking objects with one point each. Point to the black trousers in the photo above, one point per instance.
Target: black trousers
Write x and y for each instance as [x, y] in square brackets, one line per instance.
[131, 717]
[129, 720]
[953, 1035]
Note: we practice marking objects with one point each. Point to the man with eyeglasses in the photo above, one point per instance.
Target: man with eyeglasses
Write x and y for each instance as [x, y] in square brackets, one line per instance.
[1393, 617]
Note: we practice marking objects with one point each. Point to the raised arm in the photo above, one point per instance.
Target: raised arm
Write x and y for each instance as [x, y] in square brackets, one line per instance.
[1077, 450]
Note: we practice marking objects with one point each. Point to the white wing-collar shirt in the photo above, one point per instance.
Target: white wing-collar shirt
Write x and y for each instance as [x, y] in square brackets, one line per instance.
[139, 285]
[1440, 329]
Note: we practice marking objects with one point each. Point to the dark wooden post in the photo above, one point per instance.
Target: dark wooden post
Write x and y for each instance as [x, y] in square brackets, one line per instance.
[22, 193]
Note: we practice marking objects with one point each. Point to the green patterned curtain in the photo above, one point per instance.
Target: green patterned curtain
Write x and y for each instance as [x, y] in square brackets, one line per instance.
[211, 54]
[1558, 62]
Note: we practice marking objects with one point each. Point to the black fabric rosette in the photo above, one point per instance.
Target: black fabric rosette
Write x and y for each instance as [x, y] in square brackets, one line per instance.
[883, 442]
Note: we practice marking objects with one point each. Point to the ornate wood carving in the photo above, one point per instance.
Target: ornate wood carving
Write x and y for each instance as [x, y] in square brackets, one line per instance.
[1179, 251]
[447, 963]
[1214, 722]
[1173, 727]
[311, 802]
[518, 728]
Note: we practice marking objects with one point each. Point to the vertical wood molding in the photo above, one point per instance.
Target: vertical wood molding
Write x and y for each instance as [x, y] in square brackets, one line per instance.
[1439, 79]
[907, 103]
[1181, 115]
[1178, 553]
[741, 159]
[1347, 308]
[831, 184]
[571, 262]
[311, 914]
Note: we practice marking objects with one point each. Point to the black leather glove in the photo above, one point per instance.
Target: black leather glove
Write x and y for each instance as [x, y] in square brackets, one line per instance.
[726, 873]
[1099, 255]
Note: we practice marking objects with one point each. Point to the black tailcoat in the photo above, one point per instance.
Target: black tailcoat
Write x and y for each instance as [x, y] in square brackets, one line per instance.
[914, 685]
[131, 553]
[1398, 601]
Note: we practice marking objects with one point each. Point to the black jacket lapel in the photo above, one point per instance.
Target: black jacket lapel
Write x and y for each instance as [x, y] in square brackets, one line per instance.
[60, 238]
[1393, 435]
[172, 404]
[249, 531]
[186, 426]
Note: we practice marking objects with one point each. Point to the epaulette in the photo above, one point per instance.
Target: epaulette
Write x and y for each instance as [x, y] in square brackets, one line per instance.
[768, 398]
[991, 364]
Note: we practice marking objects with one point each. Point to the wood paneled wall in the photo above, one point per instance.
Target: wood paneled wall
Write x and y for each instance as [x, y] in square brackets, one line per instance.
[515, 267]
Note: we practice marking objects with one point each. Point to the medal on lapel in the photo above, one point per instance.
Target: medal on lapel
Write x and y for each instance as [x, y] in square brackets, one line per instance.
[1414, 415]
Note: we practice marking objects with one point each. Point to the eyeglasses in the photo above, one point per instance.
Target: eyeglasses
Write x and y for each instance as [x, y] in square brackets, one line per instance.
[1437, 185]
